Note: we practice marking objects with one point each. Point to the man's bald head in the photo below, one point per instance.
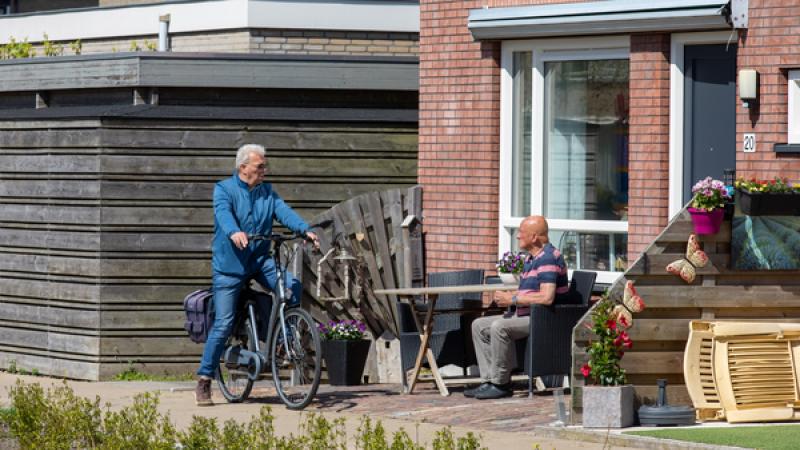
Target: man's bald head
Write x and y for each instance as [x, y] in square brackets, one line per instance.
[533, 233]
[535, 224]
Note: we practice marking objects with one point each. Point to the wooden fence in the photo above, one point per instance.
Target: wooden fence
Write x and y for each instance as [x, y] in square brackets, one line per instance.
[369, 227]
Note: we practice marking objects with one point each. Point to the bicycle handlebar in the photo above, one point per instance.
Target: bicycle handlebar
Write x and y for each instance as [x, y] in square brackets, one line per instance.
[277, 238]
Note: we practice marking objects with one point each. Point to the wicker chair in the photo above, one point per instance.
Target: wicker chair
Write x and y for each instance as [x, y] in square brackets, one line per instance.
[549, 344]
[450, 342]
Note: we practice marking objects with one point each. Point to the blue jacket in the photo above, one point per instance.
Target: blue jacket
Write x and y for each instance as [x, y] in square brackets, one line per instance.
[236, 208]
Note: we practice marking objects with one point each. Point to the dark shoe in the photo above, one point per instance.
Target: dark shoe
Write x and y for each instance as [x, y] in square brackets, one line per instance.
[495, 391]
[470, 393]
[202, 393]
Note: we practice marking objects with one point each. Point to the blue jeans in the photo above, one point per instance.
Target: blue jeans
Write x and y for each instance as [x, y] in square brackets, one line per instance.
[226, 296]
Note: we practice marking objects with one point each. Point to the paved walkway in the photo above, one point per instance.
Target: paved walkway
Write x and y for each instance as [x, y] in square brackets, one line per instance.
[517, 422]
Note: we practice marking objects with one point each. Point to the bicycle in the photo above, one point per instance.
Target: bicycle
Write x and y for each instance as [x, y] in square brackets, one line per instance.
[292, 338]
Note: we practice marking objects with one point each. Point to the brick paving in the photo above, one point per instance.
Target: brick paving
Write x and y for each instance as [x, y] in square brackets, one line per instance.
[517, 413]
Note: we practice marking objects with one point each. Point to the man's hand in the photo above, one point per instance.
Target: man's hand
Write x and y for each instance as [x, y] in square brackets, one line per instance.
[313, 236]
[240, 240]
[503, 298]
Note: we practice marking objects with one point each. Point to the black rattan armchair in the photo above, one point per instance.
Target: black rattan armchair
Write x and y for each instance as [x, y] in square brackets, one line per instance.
[550, 339]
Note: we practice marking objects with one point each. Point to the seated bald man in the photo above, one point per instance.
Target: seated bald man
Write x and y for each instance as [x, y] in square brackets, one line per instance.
[543, 277]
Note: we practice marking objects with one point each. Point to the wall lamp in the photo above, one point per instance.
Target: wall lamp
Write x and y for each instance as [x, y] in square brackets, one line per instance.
[748, 87]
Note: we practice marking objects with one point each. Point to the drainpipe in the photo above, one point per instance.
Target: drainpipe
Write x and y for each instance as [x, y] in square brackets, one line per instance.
[163, 33]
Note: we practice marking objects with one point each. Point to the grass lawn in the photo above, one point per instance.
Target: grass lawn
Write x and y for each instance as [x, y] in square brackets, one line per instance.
[762, 437]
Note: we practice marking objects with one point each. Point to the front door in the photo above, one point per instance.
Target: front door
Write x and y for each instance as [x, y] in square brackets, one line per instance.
[709, 127]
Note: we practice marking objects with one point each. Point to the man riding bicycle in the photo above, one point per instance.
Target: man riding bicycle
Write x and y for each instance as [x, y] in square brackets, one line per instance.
[243, 205]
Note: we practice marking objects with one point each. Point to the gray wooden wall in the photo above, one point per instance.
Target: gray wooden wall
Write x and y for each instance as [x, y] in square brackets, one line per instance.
[105, 225]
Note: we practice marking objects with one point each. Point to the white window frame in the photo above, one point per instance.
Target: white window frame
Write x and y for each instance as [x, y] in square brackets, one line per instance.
[546, 50]
[794, 108]
[676, 107]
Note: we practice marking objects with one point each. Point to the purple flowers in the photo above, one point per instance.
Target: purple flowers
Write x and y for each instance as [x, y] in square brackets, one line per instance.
[342, 330]
[709, 194]
[511, 262]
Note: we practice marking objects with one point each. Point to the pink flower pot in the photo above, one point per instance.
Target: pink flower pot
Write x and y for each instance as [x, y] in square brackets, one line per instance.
[706, 222]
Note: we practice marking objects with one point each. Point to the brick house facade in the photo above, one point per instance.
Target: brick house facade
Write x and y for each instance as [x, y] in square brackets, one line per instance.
[461, 110]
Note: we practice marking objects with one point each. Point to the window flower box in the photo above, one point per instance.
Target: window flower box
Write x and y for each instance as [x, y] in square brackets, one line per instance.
[768, 203]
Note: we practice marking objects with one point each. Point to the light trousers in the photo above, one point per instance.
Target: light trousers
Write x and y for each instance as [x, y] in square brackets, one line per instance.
[495, 349]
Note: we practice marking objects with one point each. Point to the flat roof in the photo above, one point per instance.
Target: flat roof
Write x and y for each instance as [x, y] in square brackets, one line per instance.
[167, 69]
[199, 16]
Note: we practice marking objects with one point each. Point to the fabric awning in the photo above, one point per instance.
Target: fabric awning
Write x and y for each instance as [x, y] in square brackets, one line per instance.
[600, 17]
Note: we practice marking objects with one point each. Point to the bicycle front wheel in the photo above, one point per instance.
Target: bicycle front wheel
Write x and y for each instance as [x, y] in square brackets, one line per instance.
[297, 359]
[233, 380]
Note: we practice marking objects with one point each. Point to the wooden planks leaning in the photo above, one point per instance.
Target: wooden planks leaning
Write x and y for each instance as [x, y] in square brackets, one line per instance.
[369, 227]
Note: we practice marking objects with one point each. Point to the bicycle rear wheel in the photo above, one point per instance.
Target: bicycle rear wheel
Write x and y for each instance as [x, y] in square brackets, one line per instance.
[296, 362]
[233, 381]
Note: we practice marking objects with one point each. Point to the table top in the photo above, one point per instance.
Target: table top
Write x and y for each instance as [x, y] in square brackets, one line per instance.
[446, 289]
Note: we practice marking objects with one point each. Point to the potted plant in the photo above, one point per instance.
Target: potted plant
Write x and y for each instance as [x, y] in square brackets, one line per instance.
[509, 267]
[609, 402]
[708, 203]
[776, 197]
[345, 351]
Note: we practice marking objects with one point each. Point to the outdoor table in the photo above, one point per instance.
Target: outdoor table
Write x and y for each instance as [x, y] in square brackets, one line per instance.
[429, 295]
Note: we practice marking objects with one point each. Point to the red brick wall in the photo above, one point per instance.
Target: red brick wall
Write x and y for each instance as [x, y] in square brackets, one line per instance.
[459, 125]
[459, 136]
[459, 119]
[648, 162]
[771, 45]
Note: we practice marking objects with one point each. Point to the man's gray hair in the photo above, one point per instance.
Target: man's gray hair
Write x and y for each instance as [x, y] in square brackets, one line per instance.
[244, 152]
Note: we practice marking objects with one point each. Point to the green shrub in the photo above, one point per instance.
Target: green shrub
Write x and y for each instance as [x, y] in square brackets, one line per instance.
[76, 46]
[139, 426]
[53, 419]
[14, 49]
[51, 49]
[58, 419]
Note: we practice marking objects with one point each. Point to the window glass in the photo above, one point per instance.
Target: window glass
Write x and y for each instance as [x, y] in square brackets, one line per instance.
[586, 141]
[521, 145]
[587, 251]
[592, 251]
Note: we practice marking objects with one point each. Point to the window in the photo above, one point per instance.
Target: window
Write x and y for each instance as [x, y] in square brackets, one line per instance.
[564, 147]
[794, 107]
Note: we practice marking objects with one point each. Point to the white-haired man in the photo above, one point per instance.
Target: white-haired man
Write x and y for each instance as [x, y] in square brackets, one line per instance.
[243, 205]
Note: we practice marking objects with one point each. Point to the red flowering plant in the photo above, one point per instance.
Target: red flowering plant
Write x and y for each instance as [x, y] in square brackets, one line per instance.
[610, 321]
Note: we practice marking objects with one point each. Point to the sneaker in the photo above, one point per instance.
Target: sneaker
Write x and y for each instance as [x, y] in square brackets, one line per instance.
[470, 393]
[202, 393]
[495, 391]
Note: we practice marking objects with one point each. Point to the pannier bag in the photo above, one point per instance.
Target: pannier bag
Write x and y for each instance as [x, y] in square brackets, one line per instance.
[199, 309]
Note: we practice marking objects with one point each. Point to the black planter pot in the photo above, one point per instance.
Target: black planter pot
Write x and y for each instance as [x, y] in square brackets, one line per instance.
[768, 203]
[345, 361]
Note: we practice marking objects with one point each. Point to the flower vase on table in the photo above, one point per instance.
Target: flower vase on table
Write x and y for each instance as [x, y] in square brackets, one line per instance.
[509, 268]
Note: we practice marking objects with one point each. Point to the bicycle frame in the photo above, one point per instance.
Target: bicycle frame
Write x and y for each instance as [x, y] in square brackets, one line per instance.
[276, 314]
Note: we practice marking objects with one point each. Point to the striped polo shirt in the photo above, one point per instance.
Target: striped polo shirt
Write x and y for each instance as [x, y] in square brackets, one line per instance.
[547, 266]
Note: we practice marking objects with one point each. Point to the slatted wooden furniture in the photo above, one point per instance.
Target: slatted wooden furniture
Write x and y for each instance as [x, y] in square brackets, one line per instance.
[661, 331]
[744, 371]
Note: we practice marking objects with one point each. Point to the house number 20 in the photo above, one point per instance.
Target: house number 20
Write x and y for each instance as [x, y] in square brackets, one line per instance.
[749, 144]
